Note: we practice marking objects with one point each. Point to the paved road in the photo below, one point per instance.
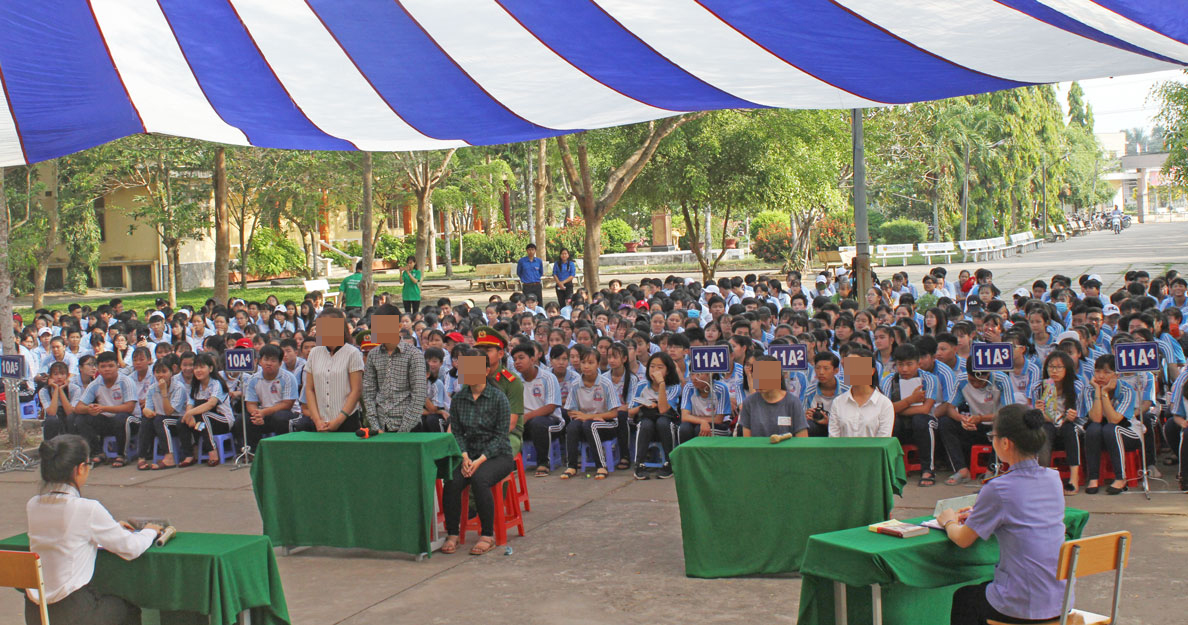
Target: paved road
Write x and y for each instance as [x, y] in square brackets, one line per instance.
[1153, 247]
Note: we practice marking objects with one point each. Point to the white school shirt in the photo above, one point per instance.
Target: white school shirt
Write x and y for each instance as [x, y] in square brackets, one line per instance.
[594, 399]
[544, 389]
[123, 390]
[268, 393]
[67, 530]
[222, 410]
[178, 394]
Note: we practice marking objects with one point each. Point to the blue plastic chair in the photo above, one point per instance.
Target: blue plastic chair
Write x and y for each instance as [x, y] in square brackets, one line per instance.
[110, 451]
[225, 443]
[610, 451]
[159, 455]
[555, 455]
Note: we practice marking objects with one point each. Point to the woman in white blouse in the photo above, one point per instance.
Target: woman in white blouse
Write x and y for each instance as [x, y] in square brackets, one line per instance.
[862, 410]
[66, 530]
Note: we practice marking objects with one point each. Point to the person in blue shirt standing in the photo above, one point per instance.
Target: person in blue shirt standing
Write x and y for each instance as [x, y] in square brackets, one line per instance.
[564, 271]
[529, 270]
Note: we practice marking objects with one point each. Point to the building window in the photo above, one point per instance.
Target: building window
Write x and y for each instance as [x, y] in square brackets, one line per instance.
[354, 217]
[111, 277]
[394, 215]
[101, 218]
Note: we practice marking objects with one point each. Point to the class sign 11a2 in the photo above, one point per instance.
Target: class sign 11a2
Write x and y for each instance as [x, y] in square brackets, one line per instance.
[791, 357]
[1132, 357]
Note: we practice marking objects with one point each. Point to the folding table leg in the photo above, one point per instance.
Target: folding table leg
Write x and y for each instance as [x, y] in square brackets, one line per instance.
[876, 603]
[839, 604]
[245, 617]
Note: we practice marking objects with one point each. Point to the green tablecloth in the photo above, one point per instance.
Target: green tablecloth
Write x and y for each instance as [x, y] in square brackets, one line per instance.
[218, 575]
[918, 575]
[339, 490]
[748, 507]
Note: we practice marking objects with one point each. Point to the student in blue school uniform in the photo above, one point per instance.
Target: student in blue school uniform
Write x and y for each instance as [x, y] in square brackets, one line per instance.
[654, 407]
[1111, 427]
[914, 422]
[705, 405]
[164, 404]
[208, 402]
[979, 396]
[593, 412]
[1059, 395]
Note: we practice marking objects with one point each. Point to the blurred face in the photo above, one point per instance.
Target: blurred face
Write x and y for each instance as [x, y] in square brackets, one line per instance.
[110, 371]
[201, 372]
[946, 352]
[523, 363]
[1056, 371]
[590, 366]
[825, 371]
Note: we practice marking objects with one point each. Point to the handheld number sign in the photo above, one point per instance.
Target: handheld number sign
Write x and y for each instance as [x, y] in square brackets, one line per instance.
[992, 356]
[709, 359]
[12, 367]
[1132, 357]
[240, 360]
[791, 357]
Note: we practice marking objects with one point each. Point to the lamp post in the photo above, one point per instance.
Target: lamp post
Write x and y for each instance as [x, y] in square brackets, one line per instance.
[861, 225]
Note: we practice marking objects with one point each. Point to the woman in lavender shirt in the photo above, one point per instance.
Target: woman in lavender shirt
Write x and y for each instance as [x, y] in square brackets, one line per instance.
[1024, 508]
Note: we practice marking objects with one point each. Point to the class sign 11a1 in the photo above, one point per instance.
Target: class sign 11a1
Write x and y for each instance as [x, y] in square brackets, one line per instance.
[709, 359]
[1132, 357]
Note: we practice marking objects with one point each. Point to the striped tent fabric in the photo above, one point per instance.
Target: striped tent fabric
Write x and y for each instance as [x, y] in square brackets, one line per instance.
[388, 75]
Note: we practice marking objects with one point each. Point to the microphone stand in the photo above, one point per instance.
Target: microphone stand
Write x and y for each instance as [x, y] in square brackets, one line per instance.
[244, 459]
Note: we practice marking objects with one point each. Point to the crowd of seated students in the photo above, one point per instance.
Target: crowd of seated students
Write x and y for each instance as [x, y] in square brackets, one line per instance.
[615, 366]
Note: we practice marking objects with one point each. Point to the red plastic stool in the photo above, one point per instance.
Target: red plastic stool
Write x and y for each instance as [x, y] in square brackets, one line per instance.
[522, 478]
[1133, 460]
[440, 503]
[507, 512]
[909, 452]
[976, 455]
[1060, 463]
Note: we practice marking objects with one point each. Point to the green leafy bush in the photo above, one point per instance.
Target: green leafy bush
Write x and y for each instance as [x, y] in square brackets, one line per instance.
[394, 248]
[903, 230]
[615, 234]
[773, 243]
[571, 237]
[767, 218]
[439, 242]
[832, 232]
[500, 247]
[271, 253]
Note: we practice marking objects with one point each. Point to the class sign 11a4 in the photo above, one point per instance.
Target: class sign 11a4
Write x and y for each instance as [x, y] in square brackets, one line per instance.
[1132, 357]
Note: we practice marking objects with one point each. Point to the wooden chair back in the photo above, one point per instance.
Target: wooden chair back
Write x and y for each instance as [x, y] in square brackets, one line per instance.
[1098, 554]
[22, 569]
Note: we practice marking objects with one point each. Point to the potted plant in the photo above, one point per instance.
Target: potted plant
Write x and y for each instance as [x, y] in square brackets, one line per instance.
[631, 246]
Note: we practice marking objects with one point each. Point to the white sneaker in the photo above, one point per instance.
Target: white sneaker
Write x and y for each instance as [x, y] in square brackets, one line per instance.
[1152, 471]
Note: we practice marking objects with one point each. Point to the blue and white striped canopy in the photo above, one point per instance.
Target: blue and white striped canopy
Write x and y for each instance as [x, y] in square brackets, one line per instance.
[389, 75]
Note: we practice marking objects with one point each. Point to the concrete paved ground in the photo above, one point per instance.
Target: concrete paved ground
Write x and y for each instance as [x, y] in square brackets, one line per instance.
[610, 552]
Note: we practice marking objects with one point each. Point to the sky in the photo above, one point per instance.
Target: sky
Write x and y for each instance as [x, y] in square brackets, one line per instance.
[1122, 102]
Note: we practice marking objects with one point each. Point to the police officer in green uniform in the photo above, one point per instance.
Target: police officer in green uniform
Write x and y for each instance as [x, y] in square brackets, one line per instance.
[489, 341]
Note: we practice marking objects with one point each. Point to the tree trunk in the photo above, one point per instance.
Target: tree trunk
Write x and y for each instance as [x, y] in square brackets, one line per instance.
[367, 286]
[173, 260]
[964, 197]
[15, 435]
[541, 184]
[422, 250]
[693, 233]
[243, 250]
[42, 257]
[431, 245]
[222, 231]
[590, 259]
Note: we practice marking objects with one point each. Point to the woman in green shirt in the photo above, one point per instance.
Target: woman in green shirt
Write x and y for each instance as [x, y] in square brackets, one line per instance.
[411, 291]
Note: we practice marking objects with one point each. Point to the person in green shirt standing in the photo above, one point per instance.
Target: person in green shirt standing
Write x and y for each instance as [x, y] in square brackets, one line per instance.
[411, 291]
[352, 295]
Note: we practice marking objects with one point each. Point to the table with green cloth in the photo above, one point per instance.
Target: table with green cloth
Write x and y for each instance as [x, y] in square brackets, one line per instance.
[749, 506]
[215, 575]
[338, 490]
[916, 576]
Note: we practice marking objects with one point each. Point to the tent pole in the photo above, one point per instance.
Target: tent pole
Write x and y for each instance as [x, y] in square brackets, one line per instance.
[861, 228]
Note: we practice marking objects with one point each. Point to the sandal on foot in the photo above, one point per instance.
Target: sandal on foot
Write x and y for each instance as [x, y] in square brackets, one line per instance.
[450, 545]
[542, 471]
[623, 465]
[957, 479]
[568, 474]
[188, 462]
[601, 474]
[161, 466]
[1069, 489]
[98, 460]
[485, 544]
[928, 481]
[118, 462]
[143, 465]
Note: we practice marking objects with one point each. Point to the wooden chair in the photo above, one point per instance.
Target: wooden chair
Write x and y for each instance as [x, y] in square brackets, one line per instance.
[1084, 557]
[22, 569]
